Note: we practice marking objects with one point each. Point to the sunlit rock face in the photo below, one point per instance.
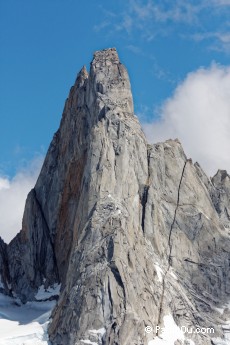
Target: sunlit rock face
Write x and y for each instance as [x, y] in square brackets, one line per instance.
[135, 233]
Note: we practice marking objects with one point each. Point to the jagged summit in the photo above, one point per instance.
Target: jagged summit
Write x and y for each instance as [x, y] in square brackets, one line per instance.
[135, 233]
[105, 57]
[81, 77]
[221, 175]
[111, 81]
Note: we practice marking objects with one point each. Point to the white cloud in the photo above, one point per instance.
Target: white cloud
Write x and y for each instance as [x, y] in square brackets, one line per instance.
[13, 193]
[186, 19]
[198, 114]
[221, 2]
[219, 41]
[224, 37]
[177, 11]
[4, 183]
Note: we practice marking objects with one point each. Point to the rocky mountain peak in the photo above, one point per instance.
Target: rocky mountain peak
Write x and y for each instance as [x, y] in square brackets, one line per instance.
[221, 176]
[105, 57]
[81, 77]
[110, 82]
[135, 233]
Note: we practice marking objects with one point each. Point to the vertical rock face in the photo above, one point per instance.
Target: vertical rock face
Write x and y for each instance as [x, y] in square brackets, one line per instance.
[31, 253]
[133, 232]
[4, 269]
[220, 196]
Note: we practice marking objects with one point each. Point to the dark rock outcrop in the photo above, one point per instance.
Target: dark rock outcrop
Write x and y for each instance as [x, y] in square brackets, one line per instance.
[31, 253]
[220, 196]
[133, 232]
[4, 269]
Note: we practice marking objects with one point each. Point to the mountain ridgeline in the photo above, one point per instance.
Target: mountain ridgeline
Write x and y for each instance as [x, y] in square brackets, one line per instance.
[133, 232]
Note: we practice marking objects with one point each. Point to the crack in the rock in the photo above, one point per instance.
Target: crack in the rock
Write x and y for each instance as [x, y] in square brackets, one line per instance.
[170, 249]
[202, 264]
[144, 198]
[47, 233]
[174, 218]
[119, 70]
[110, 295]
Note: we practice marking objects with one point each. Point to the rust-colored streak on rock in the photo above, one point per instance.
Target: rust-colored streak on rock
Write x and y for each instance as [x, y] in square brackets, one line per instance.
[70, 197]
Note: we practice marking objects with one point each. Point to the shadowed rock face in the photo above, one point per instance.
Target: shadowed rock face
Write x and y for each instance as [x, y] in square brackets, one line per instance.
[4, 268]
[133, 232]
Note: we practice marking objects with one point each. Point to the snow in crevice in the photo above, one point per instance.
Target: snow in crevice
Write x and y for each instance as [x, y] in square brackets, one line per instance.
[172, 273]
[46, 293]
[87, 341]
[100, 331]
[159, 272]
[95, 336]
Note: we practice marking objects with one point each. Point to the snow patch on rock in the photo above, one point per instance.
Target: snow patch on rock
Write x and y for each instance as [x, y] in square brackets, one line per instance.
[170, 334]
[159, 272]
[44, 294]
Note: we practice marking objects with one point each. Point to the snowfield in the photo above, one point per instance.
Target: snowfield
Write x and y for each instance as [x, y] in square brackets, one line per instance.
[26, 324]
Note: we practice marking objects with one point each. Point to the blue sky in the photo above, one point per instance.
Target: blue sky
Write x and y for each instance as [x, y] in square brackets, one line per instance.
[45, 43]
[174, 51]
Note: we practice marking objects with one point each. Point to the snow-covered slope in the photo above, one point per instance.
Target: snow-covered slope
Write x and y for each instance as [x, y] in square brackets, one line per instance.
[26, 324]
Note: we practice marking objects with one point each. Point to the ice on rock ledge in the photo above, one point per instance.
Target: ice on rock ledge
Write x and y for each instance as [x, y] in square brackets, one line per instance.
[95, 335]
[159, 272]
[44, 294]
[100, 331]
[87, 341]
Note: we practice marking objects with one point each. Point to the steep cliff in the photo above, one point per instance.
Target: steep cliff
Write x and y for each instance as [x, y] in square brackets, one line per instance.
[4, 268]
[135, 233]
